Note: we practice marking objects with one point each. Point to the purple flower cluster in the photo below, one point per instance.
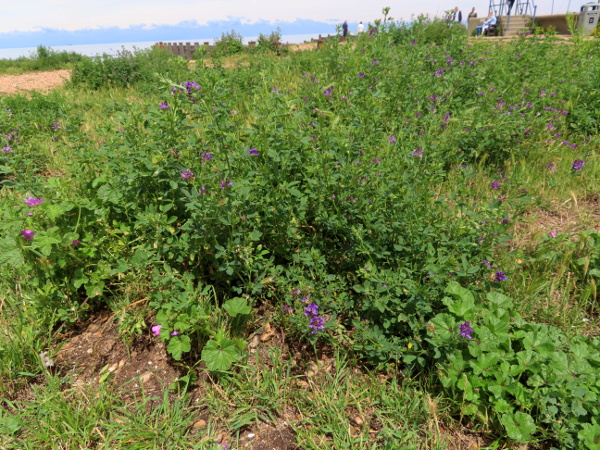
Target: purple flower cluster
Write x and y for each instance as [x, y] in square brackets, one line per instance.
[187, 174]
[164, 105]
[224, 183]
[499, 276]
[7, 149]
[253, 152]
[578, 164]
[317, 323]
[465, 330]
[418, 152]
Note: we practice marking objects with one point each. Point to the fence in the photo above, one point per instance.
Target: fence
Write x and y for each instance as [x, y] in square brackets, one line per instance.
[187, 49]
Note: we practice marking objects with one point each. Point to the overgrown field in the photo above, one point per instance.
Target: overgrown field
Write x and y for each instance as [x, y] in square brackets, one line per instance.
[387, 243]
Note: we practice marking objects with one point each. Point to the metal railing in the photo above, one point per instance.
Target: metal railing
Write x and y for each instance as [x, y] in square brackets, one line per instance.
[519, 8]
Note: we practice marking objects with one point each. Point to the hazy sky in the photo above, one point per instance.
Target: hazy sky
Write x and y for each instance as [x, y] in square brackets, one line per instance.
[77, 14]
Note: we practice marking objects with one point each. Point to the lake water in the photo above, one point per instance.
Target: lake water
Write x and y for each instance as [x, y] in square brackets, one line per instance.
[113, 49]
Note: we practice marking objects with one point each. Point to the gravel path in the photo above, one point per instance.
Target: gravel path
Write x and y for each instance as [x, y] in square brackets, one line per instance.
[33, 81]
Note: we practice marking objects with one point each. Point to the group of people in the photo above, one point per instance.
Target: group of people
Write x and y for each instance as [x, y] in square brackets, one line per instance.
[359, 29]
[456, 15]
[488, 23]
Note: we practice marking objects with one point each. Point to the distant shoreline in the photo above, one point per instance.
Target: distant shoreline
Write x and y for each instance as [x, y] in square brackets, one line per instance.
[114, 48]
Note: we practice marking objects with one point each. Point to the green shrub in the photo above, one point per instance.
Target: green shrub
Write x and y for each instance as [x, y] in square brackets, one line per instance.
[231, 43]
[270, 42]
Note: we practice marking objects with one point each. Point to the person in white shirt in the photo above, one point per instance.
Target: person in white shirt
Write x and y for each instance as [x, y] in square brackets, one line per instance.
[457, 15]
[491, 20]
[360, 27]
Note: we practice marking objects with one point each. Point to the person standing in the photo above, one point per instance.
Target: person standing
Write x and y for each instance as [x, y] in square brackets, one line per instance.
[473, 14]
[360, 28]
[509, 5]
[457, 15]
[344, 30]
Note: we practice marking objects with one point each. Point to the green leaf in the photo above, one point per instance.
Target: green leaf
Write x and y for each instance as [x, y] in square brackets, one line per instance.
[178, 345]
[464, 303]
[237, 306]
[10, 253]
[519, 426]
[219, 357]
[10, 425]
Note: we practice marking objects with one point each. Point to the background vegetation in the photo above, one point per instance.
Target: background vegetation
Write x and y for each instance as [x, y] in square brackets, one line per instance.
[374, 199]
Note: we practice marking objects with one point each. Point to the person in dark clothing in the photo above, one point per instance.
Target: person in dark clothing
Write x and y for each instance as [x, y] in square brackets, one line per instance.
[344, 30]
[473, 13]
[509, 4]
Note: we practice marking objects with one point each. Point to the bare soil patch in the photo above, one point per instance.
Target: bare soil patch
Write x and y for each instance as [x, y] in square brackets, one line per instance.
[33, 81]
[97, 355]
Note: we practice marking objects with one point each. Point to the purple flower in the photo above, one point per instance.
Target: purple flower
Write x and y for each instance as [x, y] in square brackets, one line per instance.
[187, 174]
[27, 234]
[466, 330]
[418, 152]
[552, 234]
[304, 299]
[75, 243]
[206, 156]
[56, 126]
[487, 263]
[7, 149]
[439, 73]
[317, 323]
[413, 43]
[174, 333]
[296, 293]
[375, 61]
[191, 84]
[328, 92]
[287, 309]
[392, 139]
[495, 185]
[156, 330]
[164, 105]
[578, 164]
[311, 310]
[361, 74]
[32, 201]
[550, 166]
[225, 182]
[253, 152]
[505, 220]
[499, 276]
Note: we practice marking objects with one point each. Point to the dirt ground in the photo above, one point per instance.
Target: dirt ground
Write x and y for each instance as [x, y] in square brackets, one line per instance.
[34, 81]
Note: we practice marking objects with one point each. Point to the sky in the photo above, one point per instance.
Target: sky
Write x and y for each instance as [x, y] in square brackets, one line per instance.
[65, 22]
